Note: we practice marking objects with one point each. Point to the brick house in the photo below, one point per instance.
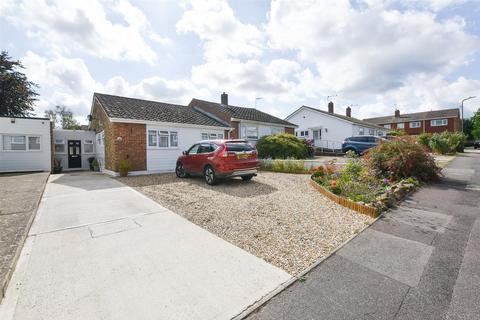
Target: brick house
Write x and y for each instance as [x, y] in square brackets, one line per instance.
[246, 123]
[421, 122]
[149, 134]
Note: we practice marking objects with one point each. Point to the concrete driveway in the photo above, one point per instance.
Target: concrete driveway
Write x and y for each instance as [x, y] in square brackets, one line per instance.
[100, 250]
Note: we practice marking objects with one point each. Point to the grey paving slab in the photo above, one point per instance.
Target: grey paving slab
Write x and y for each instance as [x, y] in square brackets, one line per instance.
[387, 225]
[359, 293]
[431, 298]
[395, 257]
[465, 303]
[423, 219]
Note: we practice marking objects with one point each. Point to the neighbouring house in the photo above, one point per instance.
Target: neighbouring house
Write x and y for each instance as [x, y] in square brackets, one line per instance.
[421, 122]
[73, 148]
[25, 144]
[149, 134]
[246, 123]
[328, 129]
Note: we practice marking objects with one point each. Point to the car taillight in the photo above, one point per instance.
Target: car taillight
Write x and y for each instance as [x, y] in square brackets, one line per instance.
[227, 154]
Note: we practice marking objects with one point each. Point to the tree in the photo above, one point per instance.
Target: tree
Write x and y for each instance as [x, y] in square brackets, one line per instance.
[17, 94]
[63, 118]
[476, 124]
[467, 128]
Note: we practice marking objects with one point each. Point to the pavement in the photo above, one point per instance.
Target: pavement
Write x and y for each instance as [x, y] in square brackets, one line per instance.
[19, 197]
[100, 250]
[419, 261]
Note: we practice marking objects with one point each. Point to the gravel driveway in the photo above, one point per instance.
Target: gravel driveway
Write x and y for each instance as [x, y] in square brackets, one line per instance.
[277, 217]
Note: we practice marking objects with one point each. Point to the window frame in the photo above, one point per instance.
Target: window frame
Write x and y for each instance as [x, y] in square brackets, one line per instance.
[361, 131]
[26, 139]
[62, 143]
[91, 143]
[400, 125]
[247, 129]
[387, 126]
[276, 130]
[439, 125]
[412, 126]
[159, 133]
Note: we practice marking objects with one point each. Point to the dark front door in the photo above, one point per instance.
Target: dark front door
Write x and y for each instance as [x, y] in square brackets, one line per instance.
[74, 154]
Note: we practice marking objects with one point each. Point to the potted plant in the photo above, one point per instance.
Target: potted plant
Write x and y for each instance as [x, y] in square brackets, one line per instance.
[95, 165]
[90, 162]
[124, 167]
[57, 165]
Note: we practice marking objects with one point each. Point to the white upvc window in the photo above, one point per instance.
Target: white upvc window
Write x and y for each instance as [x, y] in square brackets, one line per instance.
[361, 131]
[152, 138]
[173, 139]
[415, 124]
[276, 130]
[380, 133]
[371, 132]
[304, 133]
[163, 139]
[21, 143]
[212, 136]
[251, 132]
[101, 138]
[400, 125]
[87, 146]
[59, 146]
[387, 126]
[438, 122]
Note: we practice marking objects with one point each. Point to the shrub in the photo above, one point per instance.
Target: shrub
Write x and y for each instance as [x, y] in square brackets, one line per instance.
[279, 165]
[424, 140]
[398, 159]
[124, 166]
[281, 146]
[309, 144]
[447, 142]
[396, 133]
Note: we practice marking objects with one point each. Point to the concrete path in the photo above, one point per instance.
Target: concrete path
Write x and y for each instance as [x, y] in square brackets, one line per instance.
[420, 261]
[101, 250]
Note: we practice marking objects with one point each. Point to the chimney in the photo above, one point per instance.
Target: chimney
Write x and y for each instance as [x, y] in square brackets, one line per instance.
[330, 107]
[349, 112]
[224, 99]
[397, 113]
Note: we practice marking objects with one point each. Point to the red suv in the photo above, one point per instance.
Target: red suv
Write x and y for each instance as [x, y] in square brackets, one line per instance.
[217, 159]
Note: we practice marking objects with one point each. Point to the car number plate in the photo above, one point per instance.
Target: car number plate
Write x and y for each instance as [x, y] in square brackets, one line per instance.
[242, 156]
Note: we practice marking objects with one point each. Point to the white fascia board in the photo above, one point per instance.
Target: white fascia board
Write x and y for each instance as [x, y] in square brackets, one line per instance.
[170, 124]
[373, 126]
[265, 123]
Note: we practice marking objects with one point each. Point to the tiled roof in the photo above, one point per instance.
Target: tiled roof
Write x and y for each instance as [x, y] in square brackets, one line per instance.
[137, 109]
[226, 112]
[350, 119]
[417, 116]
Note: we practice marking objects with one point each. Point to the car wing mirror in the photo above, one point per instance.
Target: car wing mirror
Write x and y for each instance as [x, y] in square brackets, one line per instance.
[185, 153]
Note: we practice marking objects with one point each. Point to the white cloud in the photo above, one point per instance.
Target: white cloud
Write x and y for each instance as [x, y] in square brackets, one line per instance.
[67, 26]
[222, 33]
[369, 50]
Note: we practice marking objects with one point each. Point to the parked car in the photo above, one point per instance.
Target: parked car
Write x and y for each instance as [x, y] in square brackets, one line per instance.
[360, 144]
[219, 159]
[476, 144]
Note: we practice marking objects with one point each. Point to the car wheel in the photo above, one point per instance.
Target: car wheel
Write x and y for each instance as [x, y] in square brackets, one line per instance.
[351, 149]
[180, 171]
[209, 175]
[247, 178]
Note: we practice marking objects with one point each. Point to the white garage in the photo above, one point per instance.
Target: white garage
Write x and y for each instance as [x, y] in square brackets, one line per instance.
[25, 144]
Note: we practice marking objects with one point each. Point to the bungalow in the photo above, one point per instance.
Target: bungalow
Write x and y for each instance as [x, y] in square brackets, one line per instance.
[421, 122]
[149, 134]
[246, 123]
[328, 129]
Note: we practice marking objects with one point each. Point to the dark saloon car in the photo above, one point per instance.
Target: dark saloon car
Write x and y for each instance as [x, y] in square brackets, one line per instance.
[360, 144]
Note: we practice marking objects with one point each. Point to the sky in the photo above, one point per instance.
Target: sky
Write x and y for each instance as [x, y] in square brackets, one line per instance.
[372, 55]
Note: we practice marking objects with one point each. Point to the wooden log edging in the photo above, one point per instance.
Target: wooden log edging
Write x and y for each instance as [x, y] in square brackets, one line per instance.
[363, 209]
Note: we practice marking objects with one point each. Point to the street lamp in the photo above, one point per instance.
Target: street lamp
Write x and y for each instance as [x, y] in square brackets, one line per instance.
[471, 97]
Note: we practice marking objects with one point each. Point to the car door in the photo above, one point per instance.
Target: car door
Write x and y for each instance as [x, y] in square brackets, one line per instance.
[363, 144]
[189, 160]
[201, 159]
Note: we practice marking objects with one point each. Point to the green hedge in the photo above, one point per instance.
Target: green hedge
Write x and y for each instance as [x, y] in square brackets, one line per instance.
[282, 146]
[443, 143]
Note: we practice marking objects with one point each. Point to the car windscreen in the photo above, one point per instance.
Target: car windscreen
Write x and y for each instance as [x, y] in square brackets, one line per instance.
[239, 146]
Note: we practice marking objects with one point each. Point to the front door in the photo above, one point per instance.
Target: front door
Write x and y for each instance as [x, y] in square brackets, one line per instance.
[317, 136]
[74, 154]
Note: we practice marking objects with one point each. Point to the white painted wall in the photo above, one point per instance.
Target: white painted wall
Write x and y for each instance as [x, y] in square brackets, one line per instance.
[165, 159]
[100, 149]
[81, 135]
[334, 130]
[34, 160]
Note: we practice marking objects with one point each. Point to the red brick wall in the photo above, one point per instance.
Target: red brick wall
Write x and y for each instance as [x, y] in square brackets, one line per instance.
[290, 130]
[130, 141]
[101, 122]
[453, 125]
[235, 133]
